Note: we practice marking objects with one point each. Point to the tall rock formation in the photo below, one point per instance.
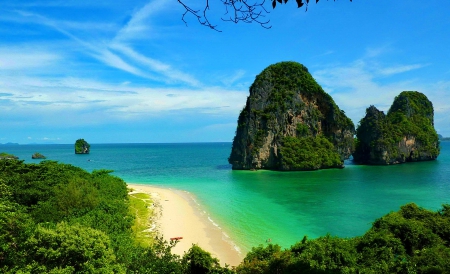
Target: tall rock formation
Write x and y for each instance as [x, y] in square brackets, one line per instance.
[405, 134]
[82, 147]
[290, 123]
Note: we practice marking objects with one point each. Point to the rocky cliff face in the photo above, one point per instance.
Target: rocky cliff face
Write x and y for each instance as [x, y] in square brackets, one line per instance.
[287, 120]
[405, 134]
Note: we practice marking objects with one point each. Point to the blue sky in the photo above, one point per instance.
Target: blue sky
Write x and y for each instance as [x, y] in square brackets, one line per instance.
[132, 71]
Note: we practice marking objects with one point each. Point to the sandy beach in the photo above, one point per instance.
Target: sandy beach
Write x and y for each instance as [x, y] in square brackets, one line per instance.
[179, 216]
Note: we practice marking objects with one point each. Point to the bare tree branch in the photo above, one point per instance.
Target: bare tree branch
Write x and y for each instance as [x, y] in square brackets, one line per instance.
[247, 11]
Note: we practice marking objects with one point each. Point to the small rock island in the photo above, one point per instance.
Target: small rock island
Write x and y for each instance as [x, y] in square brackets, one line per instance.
[82, 147]
[290, 123]
[38, 155]
[405, 134]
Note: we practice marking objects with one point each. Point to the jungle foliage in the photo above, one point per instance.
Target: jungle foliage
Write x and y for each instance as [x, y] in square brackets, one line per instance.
[412, 240]
[57, 218]
[308, 153]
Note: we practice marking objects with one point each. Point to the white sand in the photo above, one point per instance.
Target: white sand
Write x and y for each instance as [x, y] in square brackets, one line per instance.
[181, 217]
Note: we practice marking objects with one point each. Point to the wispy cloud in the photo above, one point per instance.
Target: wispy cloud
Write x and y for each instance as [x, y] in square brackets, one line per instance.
[20, 59]
[138, 24]
[229, 80]
[400, 69]
[114, 52]
[156, 66]
[357, 85]
[45, 99]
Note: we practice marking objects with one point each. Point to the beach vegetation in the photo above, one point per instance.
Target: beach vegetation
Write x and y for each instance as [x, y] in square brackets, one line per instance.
[199, 261]
[411, 240]
[141, 206]
[57, 218]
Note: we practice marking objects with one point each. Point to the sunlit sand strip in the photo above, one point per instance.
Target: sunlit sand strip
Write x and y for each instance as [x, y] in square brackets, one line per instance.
[180, 217]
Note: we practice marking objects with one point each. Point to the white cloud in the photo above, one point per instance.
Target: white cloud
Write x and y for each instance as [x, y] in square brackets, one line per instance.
[138, 24]
[231, 79]
[357, 85]
[84, 101]
[400, 69]
[19, 59]
[156, 66]
[115, 53]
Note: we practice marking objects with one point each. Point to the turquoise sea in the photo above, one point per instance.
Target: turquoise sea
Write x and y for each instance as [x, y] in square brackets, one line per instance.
[253, 206]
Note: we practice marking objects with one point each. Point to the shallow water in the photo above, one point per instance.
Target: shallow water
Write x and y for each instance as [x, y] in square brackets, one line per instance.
[252, 207]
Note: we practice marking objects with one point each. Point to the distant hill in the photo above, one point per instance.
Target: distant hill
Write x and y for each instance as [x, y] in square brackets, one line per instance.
[442, 138]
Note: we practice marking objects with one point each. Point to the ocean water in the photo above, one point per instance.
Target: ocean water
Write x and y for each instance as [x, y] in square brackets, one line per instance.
[253, 206]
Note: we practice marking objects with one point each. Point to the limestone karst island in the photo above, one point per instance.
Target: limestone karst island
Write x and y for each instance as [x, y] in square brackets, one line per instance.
[405, 134]
[290, 123]
[82, 147]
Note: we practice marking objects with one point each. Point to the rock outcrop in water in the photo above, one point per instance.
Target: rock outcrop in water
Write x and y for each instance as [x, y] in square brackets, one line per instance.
[82, 147]
[290, 123]
[405, 134]
[37, 155]
[7, 156]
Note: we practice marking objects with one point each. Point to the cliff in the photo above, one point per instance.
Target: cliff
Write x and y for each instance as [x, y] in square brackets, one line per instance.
[290, 123]
[405, 134]
[82, 147]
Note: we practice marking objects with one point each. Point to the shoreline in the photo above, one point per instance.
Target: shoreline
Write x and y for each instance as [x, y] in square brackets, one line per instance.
[179, 215]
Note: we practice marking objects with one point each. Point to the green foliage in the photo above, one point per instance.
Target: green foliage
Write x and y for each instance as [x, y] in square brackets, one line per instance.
[75, 248]
[412, 240]
[51, 234]
[302, 130]
[141, 206]
[15, 227]
[7, 156]
[308, 153]
[198, 261]
[57, 218]
[82, 147]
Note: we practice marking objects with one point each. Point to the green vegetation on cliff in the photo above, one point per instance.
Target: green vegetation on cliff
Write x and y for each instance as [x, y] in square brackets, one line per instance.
[308, 153]
[287, 109]
[405, 134]
[82, 147]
